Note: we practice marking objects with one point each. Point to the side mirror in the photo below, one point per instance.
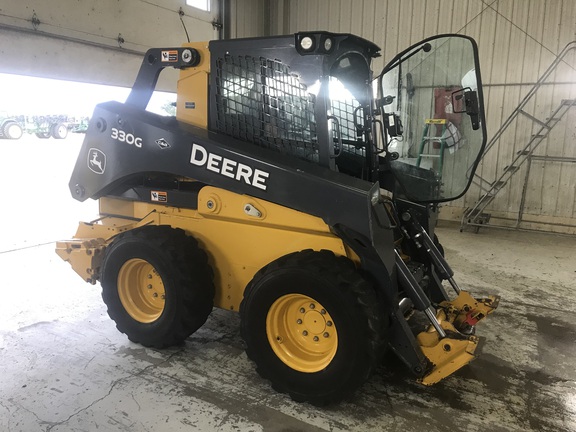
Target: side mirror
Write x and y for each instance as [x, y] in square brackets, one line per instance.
[470, 104]
[393, 125]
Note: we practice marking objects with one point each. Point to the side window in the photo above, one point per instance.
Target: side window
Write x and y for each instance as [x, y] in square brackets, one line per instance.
[349, 94]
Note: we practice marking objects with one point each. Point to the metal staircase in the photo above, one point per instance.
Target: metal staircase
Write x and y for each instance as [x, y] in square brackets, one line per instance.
[475, 216]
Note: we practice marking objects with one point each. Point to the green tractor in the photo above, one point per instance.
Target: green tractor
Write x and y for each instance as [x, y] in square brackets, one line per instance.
[11, 127]
[44, 127]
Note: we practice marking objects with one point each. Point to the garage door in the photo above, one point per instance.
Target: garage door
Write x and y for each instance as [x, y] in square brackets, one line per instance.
[98, 41]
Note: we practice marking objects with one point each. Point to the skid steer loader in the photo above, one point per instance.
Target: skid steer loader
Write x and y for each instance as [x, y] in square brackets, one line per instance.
[295, 187]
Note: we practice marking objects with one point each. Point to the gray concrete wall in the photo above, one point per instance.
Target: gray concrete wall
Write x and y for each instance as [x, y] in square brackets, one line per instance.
[78, 40]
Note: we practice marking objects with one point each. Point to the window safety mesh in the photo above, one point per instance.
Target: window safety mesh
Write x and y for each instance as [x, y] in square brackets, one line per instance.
[258, 100]
[344, 111]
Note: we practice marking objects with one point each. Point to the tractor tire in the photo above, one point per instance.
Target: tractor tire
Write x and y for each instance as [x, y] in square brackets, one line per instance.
[157, 285]
[12, 130]
[59, 131]
[313, 325]
[42, 135]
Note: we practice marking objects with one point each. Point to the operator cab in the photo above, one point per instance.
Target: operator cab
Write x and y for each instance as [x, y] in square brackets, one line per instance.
[417, 128]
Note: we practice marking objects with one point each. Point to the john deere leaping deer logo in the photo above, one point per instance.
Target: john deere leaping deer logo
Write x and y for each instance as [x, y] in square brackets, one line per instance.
[96, 161]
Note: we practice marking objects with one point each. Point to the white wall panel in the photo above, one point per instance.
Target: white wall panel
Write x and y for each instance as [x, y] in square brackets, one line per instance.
[518, 40]
[250, 18]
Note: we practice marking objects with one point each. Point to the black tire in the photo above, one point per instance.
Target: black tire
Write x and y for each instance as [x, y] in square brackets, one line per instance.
[352, 312]
[169, 262]
[12, 130]
[59, 131]
[43, 135]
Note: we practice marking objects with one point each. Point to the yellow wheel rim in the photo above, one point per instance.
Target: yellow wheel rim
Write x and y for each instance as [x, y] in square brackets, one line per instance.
[302, 333]
[141, 290]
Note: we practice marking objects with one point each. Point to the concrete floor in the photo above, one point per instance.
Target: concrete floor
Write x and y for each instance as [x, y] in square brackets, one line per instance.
[64, 366]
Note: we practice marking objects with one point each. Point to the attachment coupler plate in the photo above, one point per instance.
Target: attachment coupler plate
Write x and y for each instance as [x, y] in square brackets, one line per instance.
[458, 319]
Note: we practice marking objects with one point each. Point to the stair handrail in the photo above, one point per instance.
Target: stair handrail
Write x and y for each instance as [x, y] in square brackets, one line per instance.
[486, 198]
[569, 46]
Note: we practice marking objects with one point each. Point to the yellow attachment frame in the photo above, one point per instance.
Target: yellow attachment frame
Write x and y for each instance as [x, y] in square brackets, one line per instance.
[456, 350]
[85, 251]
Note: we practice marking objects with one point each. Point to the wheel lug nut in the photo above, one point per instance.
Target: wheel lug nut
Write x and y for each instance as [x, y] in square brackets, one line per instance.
[329, 323]
[323, 311]
[155, 295]
[316, 339]
[305, 333]
[163, 296]
[302, 310]
[149, 286]
[326, 334]
[299, 321]
[149, 276]
[312, 305]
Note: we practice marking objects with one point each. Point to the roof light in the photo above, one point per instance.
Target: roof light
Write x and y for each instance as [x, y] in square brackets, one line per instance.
[306, 43]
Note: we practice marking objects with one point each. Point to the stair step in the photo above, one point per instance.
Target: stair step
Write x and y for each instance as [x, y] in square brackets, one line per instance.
[478, 217]
[486, 197]
[535, 120]
[475, 215]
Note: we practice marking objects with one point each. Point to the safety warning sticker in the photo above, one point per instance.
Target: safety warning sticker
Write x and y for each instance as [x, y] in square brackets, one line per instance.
[159, 196]
[170, 56]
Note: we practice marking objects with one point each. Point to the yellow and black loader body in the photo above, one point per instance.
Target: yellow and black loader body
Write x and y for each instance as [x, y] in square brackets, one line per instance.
[265, 195]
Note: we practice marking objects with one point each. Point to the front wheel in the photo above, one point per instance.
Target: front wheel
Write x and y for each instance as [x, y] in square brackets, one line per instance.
[313, 326]
[157, 285]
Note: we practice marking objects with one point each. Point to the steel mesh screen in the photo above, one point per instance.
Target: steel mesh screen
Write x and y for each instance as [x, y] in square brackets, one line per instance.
[258, 100]
[344, 111]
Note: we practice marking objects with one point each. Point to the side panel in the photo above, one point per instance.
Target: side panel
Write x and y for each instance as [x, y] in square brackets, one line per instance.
[241, 234]
[124, 143]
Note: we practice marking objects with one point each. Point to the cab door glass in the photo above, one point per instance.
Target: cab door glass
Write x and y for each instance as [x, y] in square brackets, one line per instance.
[435, 92]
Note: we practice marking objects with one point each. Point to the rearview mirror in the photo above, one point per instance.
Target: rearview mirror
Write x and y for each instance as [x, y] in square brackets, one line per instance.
[470, 104]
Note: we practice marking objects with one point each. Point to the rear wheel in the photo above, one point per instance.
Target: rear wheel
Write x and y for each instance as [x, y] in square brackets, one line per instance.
[43, 135]
[59, 131]
[313, 326]
[157, 285]
[12, 130]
